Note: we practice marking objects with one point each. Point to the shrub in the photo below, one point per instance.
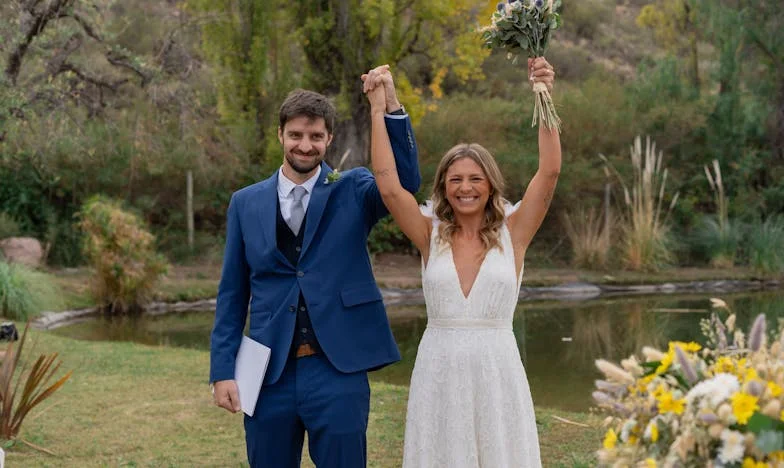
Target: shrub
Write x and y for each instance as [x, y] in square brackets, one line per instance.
[765, 241]
[589, 236]
[25, 293]
[122, 251]
[646, 244]
[8, 226]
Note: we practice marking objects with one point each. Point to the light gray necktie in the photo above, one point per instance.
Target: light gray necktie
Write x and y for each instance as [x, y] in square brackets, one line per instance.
[297, 213]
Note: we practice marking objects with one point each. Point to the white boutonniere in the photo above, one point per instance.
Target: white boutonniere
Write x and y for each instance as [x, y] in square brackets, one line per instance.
[334, 176]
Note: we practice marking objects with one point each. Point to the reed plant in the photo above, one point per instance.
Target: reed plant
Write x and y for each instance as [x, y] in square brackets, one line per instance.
[24, 293]
[646, 241]
[717, 236]
[589, 236]
[765, 245]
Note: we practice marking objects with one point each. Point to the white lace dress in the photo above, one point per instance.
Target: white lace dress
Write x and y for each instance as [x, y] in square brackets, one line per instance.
[469, 403]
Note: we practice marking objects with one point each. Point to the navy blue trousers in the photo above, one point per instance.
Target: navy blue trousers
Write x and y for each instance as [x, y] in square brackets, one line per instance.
[311, 395]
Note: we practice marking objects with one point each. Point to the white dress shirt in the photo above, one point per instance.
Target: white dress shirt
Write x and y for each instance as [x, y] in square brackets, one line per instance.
[286, 197]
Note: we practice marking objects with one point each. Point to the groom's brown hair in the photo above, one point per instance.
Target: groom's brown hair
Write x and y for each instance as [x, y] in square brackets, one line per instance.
[311, 104]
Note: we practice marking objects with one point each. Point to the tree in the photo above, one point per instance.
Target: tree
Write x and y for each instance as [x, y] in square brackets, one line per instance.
[423, 40]
[266, 47]
[43, 57]
[673, 24]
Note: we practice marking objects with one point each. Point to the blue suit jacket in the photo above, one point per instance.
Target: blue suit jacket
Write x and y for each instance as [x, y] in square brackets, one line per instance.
[333, 273]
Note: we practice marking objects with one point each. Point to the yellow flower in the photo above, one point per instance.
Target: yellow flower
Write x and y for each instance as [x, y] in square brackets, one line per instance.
[669, 405]
[778, 456]
[749, 462]
[724, 365]
[751, 374]
[659, 391]
[774, 389]
[664, 364]
[610, 439]
[654, 431]
[632, 440]
[649, 463]
[743, 406]
[781, 416]
[690, 347]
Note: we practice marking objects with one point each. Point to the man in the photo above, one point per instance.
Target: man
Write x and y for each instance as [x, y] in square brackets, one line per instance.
[296, 250]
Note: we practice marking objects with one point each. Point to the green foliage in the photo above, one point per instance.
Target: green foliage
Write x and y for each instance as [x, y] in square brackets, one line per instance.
[25, 293]
[584, 18]
[386, 236]
[34, 384]
[765, 241]
[718, 242]
[122, 252]
[8, 226]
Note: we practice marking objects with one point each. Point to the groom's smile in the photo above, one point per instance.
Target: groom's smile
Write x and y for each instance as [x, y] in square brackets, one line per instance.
[305, 141]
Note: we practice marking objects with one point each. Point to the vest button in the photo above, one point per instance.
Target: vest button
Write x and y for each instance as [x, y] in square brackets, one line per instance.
[292, 308]
[300, 274]
[298, 248]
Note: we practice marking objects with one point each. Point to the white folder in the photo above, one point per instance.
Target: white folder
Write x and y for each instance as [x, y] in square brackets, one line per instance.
[251, 365]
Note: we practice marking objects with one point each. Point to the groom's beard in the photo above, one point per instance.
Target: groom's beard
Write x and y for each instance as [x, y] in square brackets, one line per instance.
[304, 168]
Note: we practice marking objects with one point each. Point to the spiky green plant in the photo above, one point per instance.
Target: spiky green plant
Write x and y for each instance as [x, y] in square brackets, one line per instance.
[646, 241]
[15, 405]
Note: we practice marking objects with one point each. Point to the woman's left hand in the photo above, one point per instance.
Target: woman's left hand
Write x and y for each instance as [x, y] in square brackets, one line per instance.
[540, 70]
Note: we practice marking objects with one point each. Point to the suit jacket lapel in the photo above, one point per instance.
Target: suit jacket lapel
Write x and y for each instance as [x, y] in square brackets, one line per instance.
[316, 206]
[268, 208]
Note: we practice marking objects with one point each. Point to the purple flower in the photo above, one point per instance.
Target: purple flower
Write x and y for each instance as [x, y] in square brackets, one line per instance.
[538, 3]
[500, 7]
[512, 1]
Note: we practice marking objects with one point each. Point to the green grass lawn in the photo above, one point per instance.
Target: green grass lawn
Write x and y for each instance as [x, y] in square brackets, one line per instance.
[134, 405]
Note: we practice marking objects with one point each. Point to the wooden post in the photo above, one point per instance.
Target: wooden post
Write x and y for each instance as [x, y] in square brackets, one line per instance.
[189, 206]
[607, 193]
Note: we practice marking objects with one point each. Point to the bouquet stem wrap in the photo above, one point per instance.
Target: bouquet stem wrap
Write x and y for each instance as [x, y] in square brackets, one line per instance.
[544, 109]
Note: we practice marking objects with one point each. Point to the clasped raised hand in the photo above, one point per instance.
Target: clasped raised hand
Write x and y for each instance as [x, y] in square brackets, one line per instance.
[540, 70]
[381, 78]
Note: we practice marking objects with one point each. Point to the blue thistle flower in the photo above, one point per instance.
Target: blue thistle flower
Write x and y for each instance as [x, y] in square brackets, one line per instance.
[539, 3]
[501, 6]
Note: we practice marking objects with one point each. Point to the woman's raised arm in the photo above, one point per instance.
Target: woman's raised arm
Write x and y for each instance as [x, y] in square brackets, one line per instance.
[400, 203]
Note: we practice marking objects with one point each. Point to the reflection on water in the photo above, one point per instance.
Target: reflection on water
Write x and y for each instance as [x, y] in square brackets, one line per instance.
[558, 340]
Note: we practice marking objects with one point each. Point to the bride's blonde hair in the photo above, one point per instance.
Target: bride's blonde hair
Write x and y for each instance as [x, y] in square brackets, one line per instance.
[494, 210]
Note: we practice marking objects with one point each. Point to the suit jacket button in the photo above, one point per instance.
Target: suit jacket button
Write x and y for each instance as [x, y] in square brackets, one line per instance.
[300, 274]
[292, 308]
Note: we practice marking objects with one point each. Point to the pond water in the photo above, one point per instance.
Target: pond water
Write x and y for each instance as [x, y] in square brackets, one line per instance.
[559, 341]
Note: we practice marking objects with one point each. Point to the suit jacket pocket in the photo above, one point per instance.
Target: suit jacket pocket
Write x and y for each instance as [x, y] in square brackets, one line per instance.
[360, 294]
[259, 317]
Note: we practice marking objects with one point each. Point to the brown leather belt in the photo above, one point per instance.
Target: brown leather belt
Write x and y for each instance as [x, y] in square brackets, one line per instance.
[305, 349]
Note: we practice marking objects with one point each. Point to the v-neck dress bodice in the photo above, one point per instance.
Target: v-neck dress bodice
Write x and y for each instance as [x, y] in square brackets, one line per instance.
[469, 402]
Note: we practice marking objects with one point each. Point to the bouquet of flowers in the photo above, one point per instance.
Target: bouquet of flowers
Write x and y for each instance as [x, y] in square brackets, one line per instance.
[713, 406]
[525, 27]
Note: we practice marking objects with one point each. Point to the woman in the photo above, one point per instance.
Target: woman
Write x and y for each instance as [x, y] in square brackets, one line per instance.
[469, 403]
